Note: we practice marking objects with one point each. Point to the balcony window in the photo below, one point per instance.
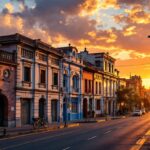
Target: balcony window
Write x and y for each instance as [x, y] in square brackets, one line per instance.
[27, 74]
[85, 85]
[55, 79]
[65, 80]
[75, 82]
[43, 76]
[74, 107]
[27, 53]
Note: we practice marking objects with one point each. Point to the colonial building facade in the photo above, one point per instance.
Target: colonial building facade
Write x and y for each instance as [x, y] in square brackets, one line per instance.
[58, 84]
[105, 81]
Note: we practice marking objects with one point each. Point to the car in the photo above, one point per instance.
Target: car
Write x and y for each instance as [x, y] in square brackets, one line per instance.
[137, 113]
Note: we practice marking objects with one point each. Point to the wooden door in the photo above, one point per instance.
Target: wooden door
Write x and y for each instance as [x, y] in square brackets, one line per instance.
[85, 108]
[25, 111]
[54, 110]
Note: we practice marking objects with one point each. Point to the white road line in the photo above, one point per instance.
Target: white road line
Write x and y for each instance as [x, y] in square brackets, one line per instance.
[66, 148]
[108, 132]
[91, 138]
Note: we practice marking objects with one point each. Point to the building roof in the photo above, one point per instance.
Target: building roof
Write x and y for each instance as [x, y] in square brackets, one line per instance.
[18, 38]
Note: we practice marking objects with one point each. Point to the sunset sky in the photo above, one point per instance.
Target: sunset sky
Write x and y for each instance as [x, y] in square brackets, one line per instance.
[119, 27]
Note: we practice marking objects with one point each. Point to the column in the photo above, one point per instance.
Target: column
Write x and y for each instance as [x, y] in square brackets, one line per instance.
[18, 112]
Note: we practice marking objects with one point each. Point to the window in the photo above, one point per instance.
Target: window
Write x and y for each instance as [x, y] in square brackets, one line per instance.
[55, 79]
[43, 74]
[100, 88]
[27, 74]
[74, 107]
[42, 57]
[75, 82]
[98, 63]
[89, 86]
[109, 67]
[96, 88]
[27, 53]
[98, 105]
[85, 85]
[105, 66]
[65, 80]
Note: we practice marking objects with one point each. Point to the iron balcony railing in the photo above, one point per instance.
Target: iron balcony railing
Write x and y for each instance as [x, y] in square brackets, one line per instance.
[7, 57]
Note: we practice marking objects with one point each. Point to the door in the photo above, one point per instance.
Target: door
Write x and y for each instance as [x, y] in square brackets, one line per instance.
[54, 110]
[41, 107]
[85, 108]
[25, 111]
[65, 109]
[1, 112]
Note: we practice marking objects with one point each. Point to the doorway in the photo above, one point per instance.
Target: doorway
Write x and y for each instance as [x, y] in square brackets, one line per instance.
[25, 111]
[54, 104]
[3, 110]
[85, 112]
[42, 108]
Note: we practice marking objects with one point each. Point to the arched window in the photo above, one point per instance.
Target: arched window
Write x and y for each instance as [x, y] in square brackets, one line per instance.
[75, 82]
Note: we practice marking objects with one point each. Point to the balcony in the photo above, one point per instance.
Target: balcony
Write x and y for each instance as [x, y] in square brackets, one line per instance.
[7, 57]
[54, 87]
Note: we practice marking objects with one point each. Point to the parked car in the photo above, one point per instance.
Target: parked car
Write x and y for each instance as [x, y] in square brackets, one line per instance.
[137, 113]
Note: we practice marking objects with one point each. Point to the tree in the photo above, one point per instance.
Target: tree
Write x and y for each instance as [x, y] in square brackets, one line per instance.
[127, 100]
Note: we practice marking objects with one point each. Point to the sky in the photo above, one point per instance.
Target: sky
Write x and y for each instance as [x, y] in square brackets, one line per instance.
[119, 27]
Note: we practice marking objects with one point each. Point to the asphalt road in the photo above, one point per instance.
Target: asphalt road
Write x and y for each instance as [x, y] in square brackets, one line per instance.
[120, 134]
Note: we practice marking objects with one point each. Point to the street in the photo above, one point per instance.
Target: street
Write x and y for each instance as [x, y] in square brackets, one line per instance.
[119, 134]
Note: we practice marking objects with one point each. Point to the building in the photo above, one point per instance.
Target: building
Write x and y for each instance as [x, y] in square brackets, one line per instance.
[135, 83]
[37, 79]
[72, 68]
[107, 76]
[88, 90]
[58, 84]
[7, 88]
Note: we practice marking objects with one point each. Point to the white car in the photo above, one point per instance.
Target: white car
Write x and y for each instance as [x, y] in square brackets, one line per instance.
[137, 113]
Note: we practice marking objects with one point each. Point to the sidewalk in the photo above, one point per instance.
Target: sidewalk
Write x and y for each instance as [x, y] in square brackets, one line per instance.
[28, 129]
[99, 119]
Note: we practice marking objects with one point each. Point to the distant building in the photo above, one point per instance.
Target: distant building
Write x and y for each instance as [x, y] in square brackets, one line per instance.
[135, 83]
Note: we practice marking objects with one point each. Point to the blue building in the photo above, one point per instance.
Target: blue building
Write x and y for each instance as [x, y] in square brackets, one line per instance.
[72, 68]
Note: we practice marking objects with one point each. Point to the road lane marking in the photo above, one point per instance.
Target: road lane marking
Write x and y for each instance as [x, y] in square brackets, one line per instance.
[91, 138]
[139, 144]
[66, 148]
[108, 132]
[148, 132]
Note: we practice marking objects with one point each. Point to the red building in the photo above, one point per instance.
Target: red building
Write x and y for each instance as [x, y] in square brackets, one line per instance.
[7, 88]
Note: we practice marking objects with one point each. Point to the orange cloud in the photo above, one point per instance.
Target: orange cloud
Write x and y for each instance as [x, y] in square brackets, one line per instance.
[129, 31]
